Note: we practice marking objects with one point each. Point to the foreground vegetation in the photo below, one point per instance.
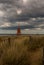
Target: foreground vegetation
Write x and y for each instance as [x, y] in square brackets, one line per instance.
[21, 50]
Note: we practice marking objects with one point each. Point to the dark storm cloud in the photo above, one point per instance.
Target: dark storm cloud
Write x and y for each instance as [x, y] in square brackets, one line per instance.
[38, 21]
[19, 18]
[6, 1]
[32, 9]
[15, 27]
[33, 23]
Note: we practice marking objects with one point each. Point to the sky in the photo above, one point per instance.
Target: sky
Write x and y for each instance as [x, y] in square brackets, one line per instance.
[28, 14]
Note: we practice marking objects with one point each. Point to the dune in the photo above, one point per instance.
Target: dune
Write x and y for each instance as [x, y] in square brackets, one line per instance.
[21, 50]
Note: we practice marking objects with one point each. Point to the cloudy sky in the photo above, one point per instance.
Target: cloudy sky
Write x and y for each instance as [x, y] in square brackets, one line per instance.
[28, 14]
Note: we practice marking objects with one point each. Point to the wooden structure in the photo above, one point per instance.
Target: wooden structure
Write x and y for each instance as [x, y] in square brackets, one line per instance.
[18, 30]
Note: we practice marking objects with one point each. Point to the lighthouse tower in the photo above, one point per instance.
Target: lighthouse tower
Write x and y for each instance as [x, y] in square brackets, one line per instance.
[18, 30]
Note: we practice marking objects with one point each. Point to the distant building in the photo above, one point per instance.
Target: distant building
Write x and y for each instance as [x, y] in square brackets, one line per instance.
[18, 30]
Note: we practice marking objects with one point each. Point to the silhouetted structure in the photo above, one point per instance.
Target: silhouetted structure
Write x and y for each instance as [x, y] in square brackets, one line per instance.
[18, 30]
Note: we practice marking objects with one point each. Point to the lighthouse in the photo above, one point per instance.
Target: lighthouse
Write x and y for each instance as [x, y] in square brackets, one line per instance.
[18, 30]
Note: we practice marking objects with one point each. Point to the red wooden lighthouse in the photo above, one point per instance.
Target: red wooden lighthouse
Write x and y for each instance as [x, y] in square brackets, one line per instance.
[18, 30]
